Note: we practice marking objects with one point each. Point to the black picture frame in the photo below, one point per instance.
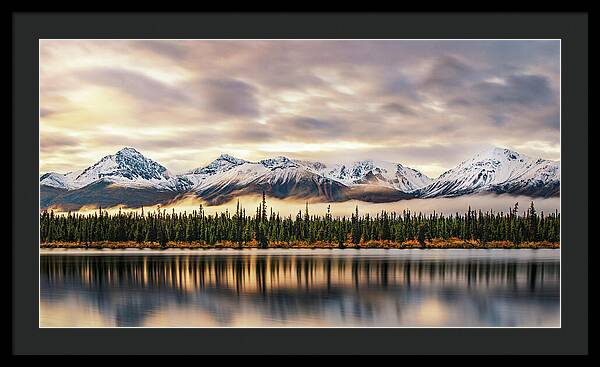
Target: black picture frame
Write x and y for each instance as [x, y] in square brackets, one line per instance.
[571, 338]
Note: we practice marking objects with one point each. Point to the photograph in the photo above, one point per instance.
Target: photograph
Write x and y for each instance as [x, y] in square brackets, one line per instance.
[300, 183]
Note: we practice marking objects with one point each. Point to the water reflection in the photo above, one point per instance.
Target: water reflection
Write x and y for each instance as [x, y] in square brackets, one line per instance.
[300, 288]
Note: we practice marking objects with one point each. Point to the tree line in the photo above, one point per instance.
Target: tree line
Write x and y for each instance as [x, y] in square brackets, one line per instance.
[264, 228]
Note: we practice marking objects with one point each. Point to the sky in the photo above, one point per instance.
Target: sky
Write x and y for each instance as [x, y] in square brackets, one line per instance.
[425, 104]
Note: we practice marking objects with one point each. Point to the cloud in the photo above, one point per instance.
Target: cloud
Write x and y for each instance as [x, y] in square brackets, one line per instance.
[498, 119]
[168, 49]
[448, 72]
[309, 123]
[521, 89]
[45, 112]
[552, 119]
[55, 141]
[427, 104]
[251, 133]
[395, 107]
[400, 86]
[231, 97]
[459, 102]
[133, 83]
[304, 128]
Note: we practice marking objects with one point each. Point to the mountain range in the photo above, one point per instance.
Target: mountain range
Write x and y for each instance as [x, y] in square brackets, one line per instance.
[129, 178]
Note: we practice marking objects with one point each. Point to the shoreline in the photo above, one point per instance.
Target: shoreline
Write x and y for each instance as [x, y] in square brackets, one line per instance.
[434, 244]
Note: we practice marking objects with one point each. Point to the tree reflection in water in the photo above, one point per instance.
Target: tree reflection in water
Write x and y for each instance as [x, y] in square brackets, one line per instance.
[366, 288]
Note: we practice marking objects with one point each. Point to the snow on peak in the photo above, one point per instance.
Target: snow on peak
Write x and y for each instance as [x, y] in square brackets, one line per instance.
[231, 159]
[372, 172]
[241, 173]
[128, 151]
[492, 168]
[498, 153]
[312, 165]
[223, 163]
[57, 180]
[126, 167]
[279, 162]
[128, 164]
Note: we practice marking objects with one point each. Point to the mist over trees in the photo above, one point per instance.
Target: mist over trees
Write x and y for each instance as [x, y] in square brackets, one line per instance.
[265, 227]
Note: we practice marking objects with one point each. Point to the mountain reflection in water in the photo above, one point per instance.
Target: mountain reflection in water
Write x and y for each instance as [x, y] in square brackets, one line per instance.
[306, 288]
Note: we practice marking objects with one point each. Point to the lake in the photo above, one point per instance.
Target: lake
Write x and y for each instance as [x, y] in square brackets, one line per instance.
[300, 288]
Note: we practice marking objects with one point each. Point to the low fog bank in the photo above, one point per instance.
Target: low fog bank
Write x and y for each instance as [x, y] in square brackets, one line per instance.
[286, 207]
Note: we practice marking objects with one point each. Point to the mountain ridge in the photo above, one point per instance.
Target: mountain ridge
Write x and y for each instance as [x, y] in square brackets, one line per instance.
[497, 170]
[147, 182]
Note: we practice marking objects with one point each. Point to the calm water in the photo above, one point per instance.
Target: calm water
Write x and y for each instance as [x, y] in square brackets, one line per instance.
[300, 288]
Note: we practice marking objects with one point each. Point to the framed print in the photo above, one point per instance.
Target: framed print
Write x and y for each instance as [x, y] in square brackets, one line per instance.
[286, 186]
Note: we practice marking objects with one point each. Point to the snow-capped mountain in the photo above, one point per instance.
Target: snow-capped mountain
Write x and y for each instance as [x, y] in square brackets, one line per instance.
[284, 178]
[222, 164]
[129, 178]
[279, 177]
[127, 167]
[498, 170]
[57, 180]
[370, 172]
